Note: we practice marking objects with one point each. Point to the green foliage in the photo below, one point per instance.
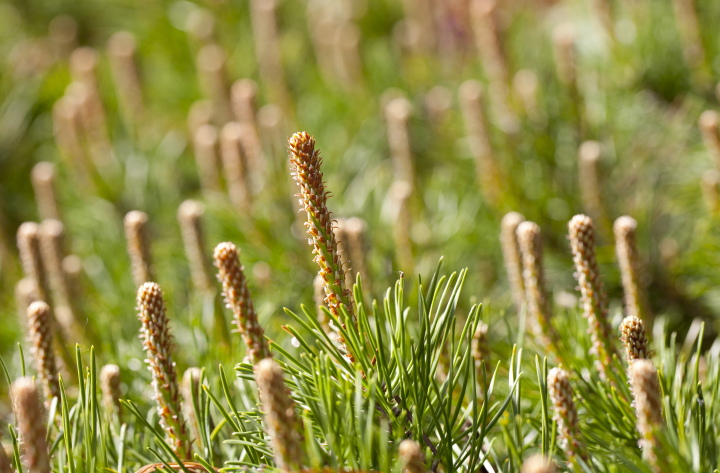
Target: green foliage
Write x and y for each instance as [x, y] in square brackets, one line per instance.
[411, 372]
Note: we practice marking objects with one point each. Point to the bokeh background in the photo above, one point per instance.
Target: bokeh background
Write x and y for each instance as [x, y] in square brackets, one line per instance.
[359, 75]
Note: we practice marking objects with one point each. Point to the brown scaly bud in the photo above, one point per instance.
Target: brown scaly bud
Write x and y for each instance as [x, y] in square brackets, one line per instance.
[538, 464]
[138, 243]
[473, 110]
[397, 116]
[31, 424]
[237, 299]
[157, 342]
[350, 234]
[43, 181]
[566, 415]
[629, 260]
[110, 388]
[511, 255]
[593, 297]
[190, 384]
[4, 461]
[634, 339]
[305, 163]
[205, 144]
[190, 217]
[411, 457]
[709, 124]
[649, 398]
[122, 49]
[28, 241]
[563, 39]
[234, 160]
[26, 292]
[213, 78]
[648, 407]
[537, 298]
[279, 415]
[40, 331]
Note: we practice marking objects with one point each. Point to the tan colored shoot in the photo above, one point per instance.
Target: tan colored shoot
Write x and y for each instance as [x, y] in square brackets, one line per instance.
[31, 422]
[237, 298]
[138, 246]
[158, 345]
[593, 297]
[512, 258]
[279, 416]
